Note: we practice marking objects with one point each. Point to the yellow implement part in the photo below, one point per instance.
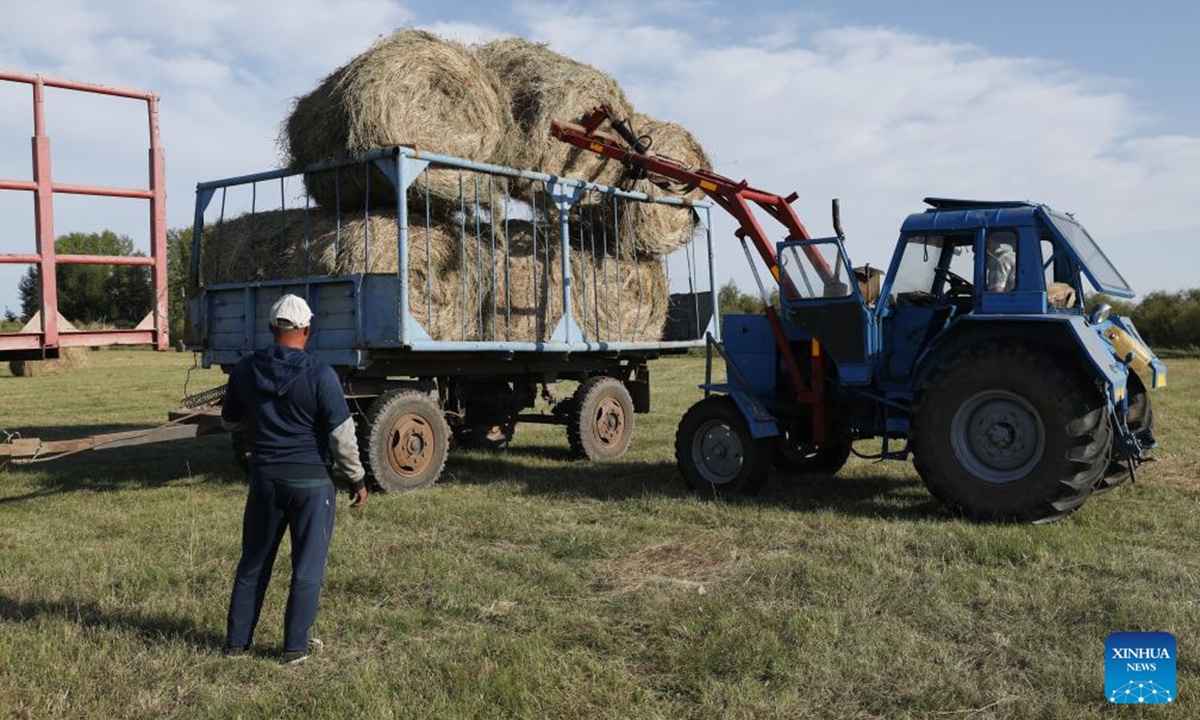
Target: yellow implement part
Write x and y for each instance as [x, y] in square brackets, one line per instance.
[1124, 344]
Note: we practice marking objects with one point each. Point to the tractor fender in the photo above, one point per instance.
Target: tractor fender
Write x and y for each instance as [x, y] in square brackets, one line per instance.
[1068, 337]
[761, 422]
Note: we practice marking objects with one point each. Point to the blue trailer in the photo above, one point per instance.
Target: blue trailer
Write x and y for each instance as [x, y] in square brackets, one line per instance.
[413, 392]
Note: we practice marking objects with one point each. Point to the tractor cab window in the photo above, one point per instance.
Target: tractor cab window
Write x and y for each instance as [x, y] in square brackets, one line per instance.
[934, 266]
[814, 270]
[1001, 261]
[1060, 290]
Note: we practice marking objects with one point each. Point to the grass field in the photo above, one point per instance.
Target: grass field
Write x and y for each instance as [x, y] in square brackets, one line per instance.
[527, 586]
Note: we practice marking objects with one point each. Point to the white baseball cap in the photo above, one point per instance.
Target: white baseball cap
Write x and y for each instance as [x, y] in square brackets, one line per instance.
[290, 312]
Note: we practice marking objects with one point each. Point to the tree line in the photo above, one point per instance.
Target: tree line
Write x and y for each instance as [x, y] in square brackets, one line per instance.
[106, 295]
[1164, 319]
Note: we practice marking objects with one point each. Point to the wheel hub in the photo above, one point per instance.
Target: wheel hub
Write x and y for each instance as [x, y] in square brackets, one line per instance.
[410, 445]
[717, 452]
[998, 436]
[610, 421]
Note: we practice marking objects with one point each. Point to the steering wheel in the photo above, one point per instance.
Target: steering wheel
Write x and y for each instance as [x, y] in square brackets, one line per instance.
[959, 286]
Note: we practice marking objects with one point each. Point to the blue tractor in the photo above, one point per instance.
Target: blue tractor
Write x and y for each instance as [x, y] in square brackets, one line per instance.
[975, 349]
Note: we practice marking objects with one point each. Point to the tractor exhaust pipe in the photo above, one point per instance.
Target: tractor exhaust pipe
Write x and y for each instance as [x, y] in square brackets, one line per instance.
[837, 220]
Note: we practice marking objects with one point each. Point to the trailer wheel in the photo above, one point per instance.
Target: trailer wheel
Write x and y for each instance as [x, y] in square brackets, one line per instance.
[407, 440]
[600, 424]
[716, 452]
[1141, 423]
[1008, 432]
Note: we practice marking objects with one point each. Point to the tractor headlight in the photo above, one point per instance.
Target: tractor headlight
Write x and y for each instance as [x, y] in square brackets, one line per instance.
[1100, 313]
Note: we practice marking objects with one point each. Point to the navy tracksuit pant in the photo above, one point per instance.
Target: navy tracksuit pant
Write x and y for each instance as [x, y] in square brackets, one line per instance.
[272, 508]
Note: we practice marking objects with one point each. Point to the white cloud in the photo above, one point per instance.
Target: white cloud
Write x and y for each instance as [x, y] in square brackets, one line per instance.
[883, 118]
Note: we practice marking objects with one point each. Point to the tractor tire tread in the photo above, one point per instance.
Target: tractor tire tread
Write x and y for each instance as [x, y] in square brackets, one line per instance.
[1083, 451]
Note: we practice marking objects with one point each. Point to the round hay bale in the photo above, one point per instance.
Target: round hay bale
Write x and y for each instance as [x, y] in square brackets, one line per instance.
[410, 88]
[544, 86]
[449, 269]
[613, 298]
[272, 245]
[264, 246]
[653, 229]
[662, 229]
[69, 360]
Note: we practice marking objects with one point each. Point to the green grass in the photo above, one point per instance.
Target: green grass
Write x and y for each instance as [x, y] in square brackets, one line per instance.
[525, 585]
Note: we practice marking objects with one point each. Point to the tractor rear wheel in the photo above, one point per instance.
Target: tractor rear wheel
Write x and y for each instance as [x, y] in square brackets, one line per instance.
[716, 452]
[407, 440]
[1008, 432]
[600, 425]
[1141, 423]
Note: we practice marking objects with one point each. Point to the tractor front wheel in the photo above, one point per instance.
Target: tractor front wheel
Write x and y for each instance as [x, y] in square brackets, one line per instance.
[1008, 432]
[716, 452]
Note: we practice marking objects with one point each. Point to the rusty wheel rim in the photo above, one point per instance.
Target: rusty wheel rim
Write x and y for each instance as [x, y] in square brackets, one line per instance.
[410, 445]
[610, 421]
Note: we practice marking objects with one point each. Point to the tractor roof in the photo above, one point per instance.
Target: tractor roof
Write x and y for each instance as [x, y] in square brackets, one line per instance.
[948, 214]
[960, 204]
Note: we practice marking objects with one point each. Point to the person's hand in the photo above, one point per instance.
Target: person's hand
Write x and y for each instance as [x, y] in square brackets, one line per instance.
[358, 499]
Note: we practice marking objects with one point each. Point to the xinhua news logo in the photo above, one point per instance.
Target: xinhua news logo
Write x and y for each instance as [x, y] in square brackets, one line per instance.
[1139, 667]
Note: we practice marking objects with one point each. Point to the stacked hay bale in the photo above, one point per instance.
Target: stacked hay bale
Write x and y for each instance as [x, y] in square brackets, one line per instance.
[663, 229]
[444, 288]
[614, 297]
[544, 86]
[410, 88]
[493, 103]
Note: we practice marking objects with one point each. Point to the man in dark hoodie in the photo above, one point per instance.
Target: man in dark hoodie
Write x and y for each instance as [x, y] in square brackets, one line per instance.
[295, 415]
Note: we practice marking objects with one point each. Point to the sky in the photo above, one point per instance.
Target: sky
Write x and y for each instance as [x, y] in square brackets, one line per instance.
[1090, 107]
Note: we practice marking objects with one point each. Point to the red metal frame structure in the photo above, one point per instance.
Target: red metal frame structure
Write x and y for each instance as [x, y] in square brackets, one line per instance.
[735, 197]
[46, 343]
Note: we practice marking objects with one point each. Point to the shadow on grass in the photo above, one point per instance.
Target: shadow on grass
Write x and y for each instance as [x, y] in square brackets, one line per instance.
[877, 496]
[544, 470]
[152, 628]
[124, 468]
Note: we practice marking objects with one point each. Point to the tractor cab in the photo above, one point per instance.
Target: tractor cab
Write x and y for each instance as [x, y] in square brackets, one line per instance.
[979, 260]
